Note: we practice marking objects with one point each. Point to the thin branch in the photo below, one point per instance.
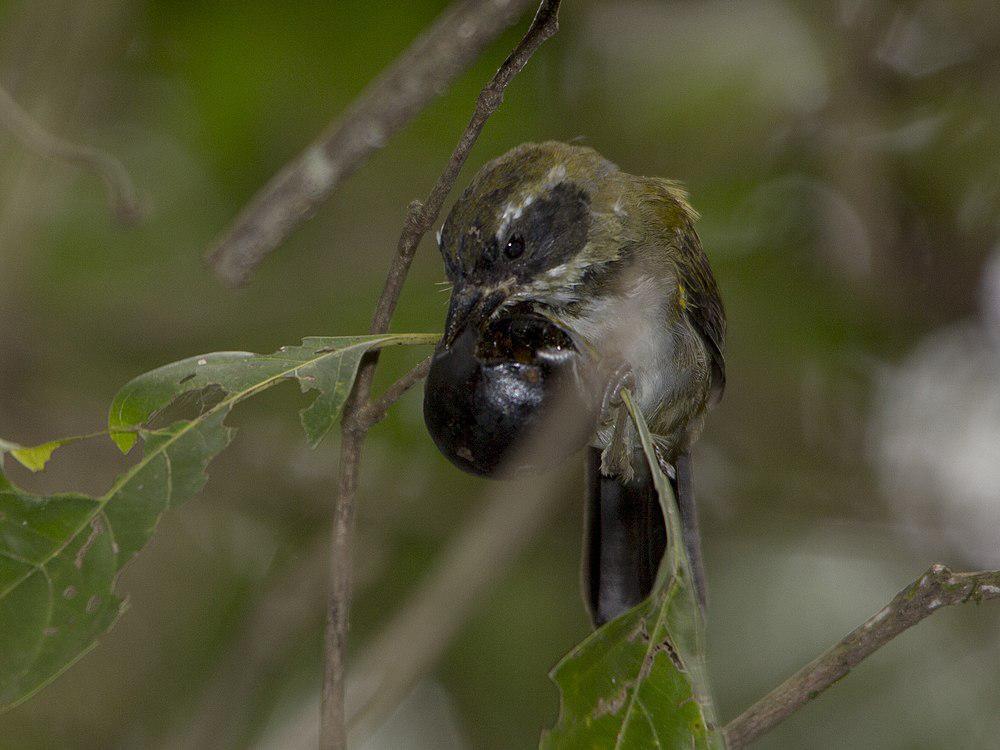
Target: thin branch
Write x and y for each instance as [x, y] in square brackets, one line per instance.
[419, 220]
[376, 409]
[122, 196]
[438, 56]
[936, 588]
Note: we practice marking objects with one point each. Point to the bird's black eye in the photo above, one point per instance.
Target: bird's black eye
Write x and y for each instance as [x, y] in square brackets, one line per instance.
[515, 247]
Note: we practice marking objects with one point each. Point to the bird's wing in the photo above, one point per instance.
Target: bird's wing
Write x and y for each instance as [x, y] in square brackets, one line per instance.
[698, 294]
[700, 300]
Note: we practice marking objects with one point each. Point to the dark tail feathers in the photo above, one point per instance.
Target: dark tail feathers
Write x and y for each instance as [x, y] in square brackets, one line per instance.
[625, 537]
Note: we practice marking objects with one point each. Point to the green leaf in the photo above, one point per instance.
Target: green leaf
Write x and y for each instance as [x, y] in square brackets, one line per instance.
[639, 681]
[59, 555]
[35, 457]
[325, 364]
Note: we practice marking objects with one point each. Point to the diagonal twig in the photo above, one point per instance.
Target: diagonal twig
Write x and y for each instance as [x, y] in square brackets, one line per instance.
[446, 49]
[936, 588]
[376, 409]
[424, 626]
[419, 219]
[122, 196]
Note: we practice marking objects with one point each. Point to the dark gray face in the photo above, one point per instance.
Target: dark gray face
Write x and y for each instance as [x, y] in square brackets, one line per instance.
[495, 234]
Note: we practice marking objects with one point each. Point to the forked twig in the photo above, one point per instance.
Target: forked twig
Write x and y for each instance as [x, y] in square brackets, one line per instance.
[377, 408]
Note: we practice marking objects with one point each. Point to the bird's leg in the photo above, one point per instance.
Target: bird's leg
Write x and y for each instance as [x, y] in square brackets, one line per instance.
[616, 458]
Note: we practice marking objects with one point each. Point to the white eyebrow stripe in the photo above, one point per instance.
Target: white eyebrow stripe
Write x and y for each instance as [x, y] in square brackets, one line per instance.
[511, 212]
[556, 175]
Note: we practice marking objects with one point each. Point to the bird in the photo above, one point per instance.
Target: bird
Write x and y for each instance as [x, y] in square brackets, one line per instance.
[557, 232]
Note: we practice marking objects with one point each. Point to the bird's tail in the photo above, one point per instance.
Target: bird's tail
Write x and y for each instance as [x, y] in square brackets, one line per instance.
[625, 536]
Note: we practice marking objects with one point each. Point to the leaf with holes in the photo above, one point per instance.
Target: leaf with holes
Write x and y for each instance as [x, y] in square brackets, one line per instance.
[639, 681]
[59, 555]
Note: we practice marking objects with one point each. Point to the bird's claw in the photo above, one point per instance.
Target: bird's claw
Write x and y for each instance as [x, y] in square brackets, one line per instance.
[621, 378]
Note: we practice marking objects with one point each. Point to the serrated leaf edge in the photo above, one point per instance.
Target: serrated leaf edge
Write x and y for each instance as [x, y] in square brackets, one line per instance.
[224, 405]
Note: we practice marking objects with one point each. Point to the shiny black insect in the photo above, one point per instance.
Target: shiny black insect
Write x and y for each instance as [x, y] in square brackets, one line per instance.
[495, 382]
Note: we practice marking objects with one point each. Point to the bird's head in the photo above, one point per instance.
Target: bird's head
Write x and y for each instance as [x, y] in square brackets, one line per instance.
[529, 227]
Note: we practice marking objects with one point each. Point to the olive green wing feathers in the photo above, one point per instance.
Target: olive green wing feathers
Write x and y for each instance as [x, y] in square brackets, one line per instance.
[702, 304]
[698, 292]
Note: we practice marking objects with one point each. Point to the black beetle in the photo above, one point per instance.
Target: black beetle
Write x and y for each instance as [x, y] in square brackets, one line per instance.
[496, 382]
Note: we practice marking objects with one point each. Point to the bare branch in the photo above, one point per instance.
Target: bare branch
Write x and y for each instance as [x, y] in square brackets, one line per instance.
[377, 409]
[419, 220]
[936, 588]
[438, 56]
[122, 196]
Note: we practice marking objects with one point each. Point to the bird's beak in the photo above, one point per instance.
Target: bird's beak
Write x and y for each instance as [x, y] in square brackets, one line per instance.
[470, 305]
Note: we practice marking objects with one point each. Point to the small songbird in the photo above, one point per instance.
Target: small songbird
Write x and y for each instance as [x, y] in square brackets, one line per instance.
[614, 260]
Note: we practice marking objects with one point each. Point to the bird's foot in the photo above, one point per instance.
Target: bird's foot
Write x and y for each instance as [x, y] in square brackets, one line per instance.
[621, 377]
[615, 456]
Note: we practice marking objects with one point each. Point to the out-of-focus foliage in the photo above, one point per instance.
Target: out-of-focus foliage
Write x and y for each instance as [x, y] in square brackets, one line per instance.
[60, 555]
[845, 158]
[639, 681]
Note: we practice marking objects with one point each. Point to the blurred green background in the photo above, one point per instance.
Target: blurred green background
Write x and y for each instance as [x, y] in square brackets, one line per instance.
[846, 159]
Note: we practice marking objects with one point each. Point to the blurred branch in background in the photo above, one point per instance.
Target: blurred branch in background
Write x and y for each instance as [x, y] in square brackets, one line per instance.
[419, 219]
[873, 229]
[423, 628]
[285, 612]
[413, 641]
[936, 588]
[122, 196]
[436, 57]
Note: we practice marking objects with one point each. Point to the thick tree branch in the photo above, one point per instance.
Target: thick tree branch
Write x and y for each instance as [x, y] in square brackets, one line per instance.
[122, 196]
[419, 219]
[936, 588]
[438, 56]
